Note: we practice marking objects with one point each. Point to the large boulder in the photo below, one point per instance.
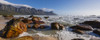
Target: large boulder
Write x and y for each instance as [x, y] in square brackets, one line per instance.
[36, 19]
[82, 27]
[94, 24]
[57, 26]
[14, 28]
[97, 31]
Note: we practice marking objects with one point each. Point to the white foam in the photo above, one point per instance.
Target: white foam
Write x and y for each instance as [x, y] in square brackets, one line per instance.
[66, 35]
[24, 34]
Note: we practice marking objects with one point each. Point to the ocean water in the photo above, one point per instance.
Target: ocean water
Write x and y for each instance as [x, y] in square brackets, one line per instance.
[65, 34]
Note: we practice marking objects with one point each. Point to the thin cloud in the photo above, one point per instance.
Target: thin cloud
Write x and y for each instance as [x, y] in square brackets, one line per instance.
[46, 9]
[16, 5]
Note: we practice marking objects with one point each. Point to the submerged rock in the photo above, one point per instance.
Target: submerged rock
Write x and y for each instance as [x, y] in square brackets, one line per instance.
[78, 31]
[14, 29]
[78, 39]
[82, 27]
[46, 17]
[57, 26]
[97, 31]
[94, 24]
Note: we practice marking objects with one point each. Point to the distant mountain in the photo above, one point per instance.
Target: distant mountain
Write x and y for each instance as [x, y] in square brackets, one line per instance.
[9, 9]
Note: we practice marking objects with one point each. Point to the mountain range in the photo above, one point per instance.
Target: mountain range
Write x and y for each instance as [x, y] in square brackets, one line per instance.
[12, 10]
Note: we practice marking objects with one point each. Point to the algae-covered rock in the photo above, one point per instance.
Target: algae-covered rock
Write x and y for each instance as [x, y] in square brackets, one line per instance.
[14, 29]
[57, 26]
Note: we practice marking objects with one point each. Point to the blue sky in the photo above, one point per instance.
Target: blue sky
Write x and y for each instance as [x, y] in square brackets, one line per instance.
[64, 7]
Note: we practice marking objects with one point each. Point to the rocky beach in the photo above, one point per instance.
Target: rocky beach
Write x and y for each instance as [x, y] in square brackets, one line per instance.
[26, 27]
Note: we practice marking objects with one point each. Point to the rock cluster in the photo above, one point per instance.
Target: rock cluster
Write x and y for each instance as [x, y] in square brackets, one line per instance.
[17, 26]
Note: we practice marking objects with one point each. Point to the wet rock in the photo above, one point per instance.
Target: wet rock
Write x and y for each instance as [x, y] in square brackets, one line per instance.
[97, 31]
[14, 29]
[27, 21]
[39, 22]
[57, 26]
[82, 27]
[31, 16]
[36, 26]
[44, 26]
[46, 17]
[24, 38]
[29, 26]
[36, 19]
[78, 39]
[78, 31]
[94, 24]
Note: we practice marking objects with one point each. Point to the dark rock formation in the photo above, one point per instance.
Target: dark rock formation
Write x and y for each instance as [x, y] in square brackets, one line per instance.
[78, 31]
[94, 24]
[97, 31]
[82, 27]
[78, 39]
[46, 17]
